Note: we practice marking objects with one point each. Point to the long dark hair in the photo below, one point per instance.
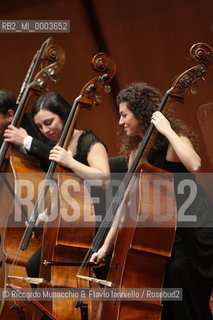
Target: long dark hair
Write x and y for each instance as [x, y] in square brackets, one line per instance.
[142, 100]
[53, 102]
[7, 101]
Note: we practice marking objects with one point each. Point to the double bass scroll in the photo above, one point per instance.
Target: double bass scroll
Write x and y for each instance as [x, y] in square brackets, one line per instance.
[201, 53]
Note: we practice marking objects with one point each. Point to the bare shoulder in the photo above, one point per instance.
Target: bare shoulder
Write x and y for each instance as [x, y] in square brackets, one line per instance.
[96, 148]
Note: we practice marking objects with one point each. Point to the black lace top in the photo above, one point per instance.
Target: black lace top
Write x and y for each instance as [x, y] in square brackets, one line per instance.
[86, 140]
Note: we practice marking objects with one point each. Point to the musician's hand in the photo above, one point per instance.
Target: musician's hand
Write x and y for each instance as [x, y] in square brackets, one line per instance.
[161, 123]
[98, 257]
[61, 156]
[42, 218]
[15, 135]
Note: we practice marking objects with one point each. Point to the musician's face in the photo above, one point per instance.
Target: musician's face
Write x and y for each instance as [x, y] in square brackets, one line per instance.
[49, 123]
[5, 120]
[128, 121]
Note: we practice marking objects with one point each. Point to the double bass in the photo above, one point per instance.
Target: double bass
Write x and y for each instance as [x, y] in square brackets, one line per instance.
[15, 166]
[143, 243]
[65, 242]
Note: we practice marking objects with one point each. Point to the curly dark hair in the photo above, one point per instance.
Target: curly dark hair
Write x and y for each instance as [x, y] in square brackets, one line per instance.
[143, 100]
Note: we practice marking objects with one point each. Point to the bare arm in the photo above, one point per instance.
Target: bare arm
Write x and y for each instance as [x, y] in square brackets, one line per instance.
[180, 147]
[108, 244]
[97, 159]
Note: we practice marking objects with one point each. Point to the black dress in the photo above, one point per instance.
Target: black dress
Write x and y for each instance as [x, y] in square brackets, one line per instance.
[86, 140]
[191, 264]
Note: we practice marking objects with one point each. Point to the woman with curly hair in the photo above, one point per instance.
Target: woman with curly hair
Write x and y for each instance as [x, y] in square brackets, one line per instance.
[191, 264]
[143, 101]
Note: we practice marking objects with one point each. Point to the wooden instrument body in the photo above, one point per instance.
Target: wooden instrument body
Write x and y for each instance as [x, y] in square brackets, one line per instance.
[14, 261]
[66, 239]
[47, 61]
[143, 246]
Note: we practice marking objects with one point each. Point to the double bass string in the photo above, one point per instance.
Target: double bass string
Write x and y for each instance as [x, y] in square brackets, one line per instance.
[26, 86]
[123, 187]
[32, 67]
[45, 187]
[51, 62]
[200, 52]
[21, 100]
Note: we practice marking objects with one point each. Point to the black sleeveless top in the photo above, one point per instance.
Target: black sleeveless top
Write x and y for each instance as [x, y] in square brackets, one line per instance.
[157, 158]
[194, 240]
[86, 140]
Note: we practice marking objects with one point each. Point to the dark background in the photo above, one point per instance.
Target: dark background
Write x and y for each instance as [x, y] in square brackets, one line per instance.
[148, 39]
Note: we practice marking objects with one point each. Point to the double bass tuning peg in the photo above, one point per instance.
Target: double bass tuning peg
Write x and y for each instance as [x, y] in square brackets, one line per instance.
[97, 101]
[39, 83]
[49, 72]
[193, 90]
[91, 88]
[107, 89]
[54, 80]
[104, 78]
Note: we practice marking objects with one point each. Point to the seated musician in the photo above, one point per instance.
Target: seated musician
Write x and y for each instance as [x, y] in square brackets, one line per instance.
[86, 155]
[191, 264]
[27, 137]
[7, 110]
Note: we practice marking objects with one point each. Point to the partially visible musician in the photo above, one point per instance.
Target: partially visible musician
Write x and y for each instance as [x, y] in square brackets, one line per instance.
[86, 155]
[191, 264]
[27, 137]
